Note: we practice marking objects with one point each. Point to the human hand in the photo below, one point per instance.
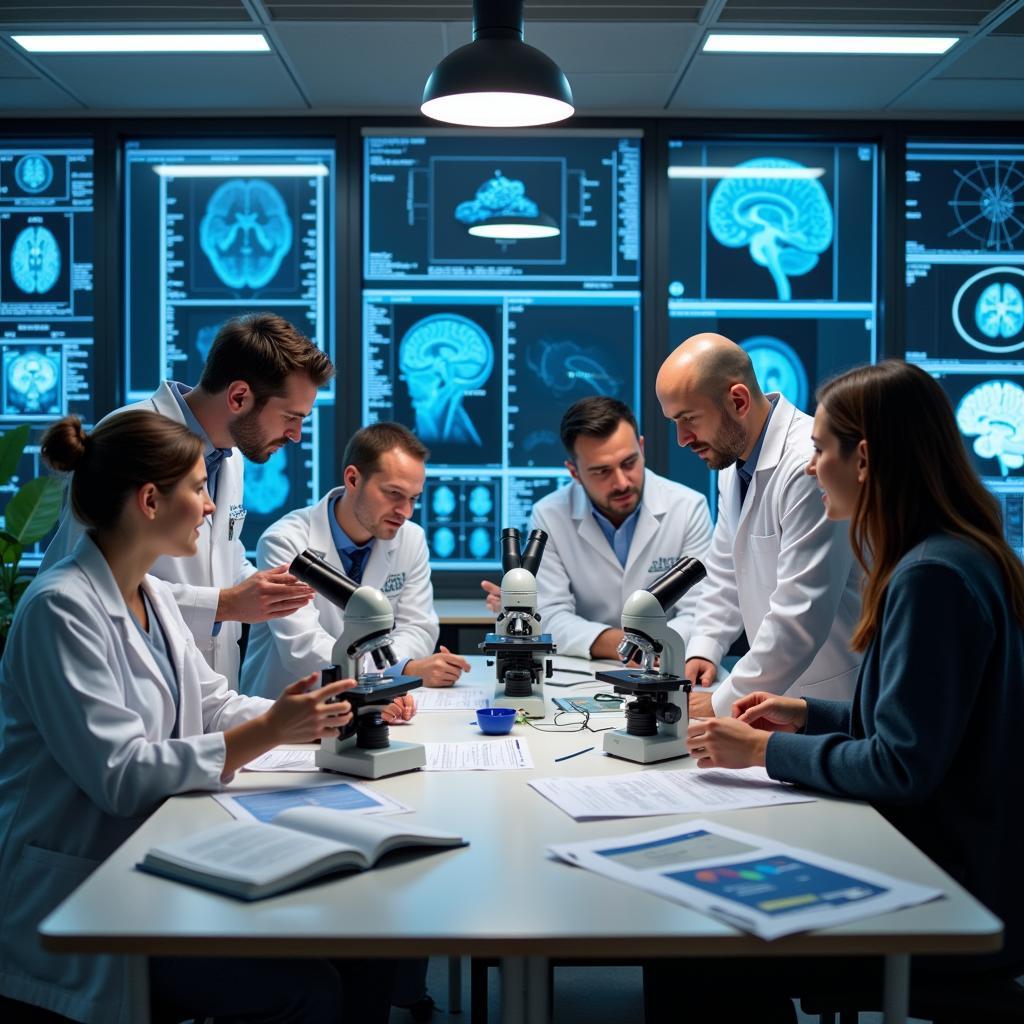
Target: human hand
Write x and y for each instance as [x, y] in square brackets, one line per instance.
[302, 713]
[437, 670]
[700, 705]
[726, 743]
[700, 671]
[269, 594]
[493, 592]
[771, 713]
[401, 709]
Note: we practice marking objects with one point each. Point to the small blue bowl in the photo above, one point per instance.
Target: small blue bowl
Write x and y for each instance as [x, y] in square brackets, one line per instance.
[496, 721]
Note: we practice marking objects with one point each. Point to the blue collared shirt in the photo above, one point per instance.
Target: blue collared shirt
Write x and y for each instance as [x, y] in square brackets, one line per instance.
[346, 546]
[212, 456]
[745, 468]
[620, 538]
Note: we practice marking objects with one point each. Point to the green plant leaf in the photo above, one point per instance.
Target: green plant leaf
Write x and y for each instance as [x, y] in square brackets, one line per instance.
[34, 510]
[10, 549]
[12, 444]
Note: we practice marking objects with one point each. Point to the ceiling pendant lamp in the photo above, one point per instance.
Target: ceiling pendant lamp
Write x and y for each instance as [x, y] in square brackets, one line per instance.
[497, 80]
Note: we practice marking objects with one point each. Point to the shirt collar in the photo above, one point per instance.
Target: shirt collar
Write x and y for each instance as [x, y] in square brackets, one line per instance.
[747, 466]
[608, 527]
[180, 391]
[342, 541]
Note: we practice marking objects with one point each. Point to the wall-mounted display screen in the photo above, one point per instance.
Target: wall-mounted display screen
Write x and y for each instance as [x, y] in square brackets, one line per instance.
[215, 230]
[965, 299]
[46, 290]
[773, 244]
[480, 344]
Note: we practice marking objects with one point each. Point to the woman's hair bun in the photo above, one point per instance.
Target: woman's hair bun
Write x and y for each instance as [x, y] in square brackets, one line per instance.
[65, 444]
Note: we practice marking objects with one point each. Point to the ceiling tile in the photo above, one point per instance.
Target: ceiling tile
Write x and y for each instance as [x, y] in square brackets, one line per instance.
[991, 58]
[64, 12]
[638, 47]
[19, 94]
[962, 96]
[639, 93]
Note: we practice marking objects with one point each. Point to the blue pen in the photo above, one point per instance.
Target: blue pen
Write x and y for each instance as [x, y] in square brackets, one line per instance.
[565, 757]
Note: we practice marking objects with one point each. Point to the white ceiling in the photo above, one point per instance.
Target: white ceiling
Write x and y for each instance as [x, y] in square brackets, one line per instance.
[622, 58]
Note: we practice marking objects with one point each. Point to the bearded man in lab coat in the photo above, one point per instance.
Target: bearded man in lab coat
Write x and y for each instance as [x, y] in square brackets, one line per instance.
[258, 384]
[777, 568]
[615, 529]
[363, 529]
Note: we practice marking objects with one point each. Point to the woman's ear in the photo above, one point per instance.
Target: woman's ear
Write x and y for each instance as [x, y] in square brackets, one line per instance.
[147, 501]
[862, 461]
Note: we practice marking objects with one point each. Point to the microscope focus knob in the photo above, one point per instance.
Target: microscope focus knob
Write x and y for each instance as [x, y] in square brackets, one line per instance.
[669, 713]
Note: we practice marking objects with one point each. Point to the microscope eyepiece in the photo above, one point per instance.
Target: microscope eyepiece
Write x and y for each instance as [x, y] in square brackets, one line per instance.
[671, 586]
[311, 567]
[510, 554]
[534, 551]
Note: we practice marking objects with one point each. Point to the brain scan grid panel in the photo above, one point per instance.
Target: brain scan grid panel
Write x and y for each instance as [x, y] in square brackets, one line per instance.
[964, 263]
[479, 344]
[773, 245]
[46, 291]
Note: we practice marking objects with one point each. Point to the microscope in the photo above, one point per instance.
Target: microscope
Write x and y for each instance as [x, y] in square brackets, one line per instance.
[657, 717]
[519, 648]
[363, 748]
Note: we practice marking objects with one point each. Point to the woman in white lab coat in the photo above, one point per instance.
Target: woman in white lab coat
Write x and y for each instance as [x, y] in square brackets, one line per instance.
[107, 708]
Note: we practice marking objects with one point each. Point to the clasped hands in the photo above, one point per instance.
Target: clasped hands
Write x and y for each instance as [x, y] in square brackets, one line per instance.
[741, 741]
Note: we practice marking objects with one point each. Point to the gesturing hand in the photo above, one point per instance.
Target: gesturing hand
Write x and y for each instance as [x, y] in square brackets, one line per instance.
[269, 594]
[493, 592]
[436, 670]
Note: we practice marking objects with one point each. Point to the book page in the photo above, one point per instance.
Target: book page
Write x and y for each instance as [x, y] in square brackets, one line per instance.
[265, 805]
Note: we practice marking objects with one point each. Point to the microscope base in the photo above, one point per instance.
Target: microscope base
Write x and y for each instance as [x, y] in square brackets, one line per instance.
[373, 764]
[532, 706]
[644, 749]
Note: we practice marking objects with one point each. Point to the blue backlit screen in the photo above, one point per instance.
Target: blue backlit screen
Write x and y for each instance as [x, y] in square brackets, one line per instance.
[480, 344]
[46, 291]
[965, 299]
[773, 244]
[214, 231]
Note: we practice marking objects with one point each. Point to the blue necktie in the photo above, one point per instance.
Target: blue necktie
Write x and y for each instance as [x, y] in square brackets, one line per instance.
[356, 563]
[213, 461]
[744, 482]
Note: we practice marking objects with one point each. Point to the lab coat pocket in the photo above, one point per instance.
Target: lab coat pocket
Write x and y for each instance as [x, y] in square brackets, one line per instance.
[762, 566]
[39, 882]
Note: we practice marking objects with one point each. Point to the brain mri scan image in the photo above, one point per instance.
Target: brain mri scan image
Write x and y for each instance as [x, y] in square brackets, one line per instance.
[786, 223]
[993, 414]
[443, 542]
[778, 368]
[481, 544]
[443, 501]
[204, 340]
[441, 357]
[986, 203]
[35, 260]
[565, 366]
[246, 232]
[33, 173]
[480, 501]
[988, 310]
[999, 312]
[31, 382]
[266, 484]
[497, 197]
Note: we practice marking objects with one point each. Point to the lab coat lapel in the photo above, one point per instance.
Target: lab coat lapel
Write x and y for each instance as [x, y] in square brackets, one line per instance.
[320, 537]
[647, 522]
[382, 557]
[767, 460]
[587, 528]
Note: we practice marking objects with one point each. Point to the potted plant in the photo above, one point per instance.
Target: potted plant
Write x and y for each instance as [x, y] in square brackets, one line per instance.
[31, 512]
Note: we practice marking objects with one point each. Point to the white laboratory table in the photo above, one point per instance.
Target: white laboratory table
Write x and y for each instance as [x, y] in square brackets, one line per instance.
[501, 896]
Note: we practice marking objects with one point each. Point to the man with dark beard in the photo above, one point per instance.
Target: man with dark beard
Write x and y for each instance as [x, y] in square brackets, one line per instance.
[778, 568]
[615, 529]
[258, 384]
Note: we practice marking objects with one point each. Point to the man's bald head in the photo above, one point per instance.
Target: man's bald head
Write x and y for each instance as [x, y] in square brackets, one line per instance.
[708, 365]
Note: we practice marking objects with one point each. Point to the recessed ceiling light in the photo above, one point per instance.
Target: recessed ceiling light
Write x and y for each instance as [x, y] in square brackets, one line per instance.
[145, 42]
[729, 42]
[746, 172]
[241, 170]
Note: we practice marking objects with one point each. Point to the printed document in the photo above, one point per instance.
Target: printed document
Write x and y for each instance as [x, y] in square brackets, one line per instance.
[758, 885]
[264, 805]
[280, 759]
[453, 698]
[641, 794]
[478, 755]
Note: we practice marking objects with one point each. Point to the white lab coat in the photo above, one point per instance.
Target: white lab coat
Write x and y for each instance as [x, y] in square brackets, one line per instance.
[196, 581]
[88, 750]
[782, 571]
[581, 587]
[286, 649]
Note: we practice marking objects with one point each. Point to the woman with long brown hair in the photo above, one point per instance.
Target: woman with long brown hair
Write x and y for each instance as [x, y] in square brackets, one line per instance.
[930, 738]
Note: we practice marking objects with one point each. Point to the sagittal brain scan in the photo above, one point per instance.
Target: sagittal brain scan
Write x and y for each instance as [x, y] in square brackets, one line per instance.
[785, 223]
[35, 260]
[33, 173]
[992, 414]
[32, 382]
[441, 358]
[266, 484]
[497, 197]
[987, 205]
[778, 367]
[246, 232]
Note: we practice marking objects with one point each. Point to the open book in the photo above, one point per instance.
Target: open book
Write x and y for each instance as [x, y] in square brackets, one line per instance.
[252, 859]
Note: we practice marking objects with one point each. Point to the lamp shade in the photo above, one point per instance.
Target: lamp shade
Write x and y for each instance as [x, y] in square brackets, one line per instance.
[497, 80]
[513, 227]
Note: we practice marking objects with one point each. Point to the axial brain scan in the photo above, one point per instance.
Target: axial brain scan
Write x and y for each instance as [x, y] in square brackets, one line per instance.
[32, 384]
[785, 222]
[33, 172]
[993, 413]
[443, 542]
[442, 357]
[497, 197]
[999, 312]
[246, 232]
[35, 260]
[777, 367]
